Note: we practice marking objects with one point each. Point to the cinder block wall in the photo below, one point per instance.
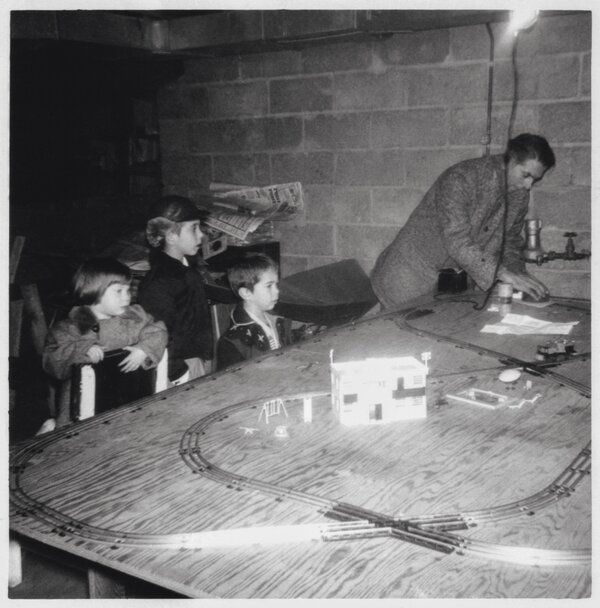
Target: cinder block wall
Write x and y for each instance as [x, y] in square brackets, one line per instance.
[367, 127]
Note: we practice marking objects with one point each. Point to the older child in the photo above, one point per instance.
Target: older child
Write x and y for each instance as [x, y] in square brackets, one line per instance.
[103, 321]
[253, 330]
[173, 290]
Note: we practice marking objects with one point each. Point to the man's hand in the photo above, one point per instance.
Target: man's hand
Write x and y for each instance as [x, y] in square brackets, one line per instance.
[133, 360]
[524, 282]
[95, 354]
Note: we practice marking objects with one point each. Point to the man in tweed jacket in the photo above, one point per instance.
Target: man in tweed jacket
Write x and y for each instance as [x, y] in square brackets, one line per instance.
[471, 218]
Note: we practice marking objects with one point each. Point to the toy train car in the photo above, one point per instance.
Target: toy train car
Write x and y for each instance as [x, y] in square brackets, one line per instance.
[555, 350]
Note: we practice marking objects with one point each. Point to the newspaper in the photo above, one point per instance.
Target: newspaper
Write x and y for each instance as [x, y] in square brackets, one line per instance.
[234, 224]
[278, 201]
[254, 206]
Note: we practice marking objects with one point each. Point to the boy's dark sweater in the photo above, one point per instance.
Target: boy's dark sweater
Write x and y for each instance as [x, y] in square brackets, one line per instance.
[246, 339]
[174, 293]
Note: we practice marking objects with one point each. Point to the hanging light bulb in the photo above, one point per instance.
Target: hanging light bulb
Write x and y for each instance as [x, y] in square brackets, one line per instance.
[522, 19]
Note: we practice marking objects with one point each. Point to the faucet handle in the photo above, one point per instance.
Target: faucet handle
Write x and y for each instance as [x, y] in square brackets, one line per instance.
[570, 234]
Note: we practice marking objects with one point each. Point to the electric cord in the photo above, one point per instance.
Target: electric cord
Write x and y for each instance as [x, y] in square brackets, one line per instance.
[511, 121]
[502, 243]
[515, 99]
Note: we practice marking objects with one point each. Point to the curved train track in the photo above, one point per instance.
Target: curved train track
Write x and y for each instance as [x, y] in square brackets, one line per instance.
[436, 532]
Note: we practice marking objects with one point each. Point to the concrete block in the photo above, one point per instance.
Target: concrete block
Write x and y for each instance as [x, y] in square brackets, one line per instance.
[312, 168]
[566, 121]
[227, 136]
[568, 34]
[410, 128]
[262, 169]
[540, 77]
[291, 264]
[468, 124]
[183, 102]
[318, 202]
[560, 175]
[393, 206]
[581, 166]
[187, 172]
[307, 239]
[423, 167]
[243, 99]
[337, 131]
[367, 265]
[235, 169]
[336, 57]
[352, 206]
[205, 69]
[317, 262]
[554, 35]
[448, 85]
[432, 46]
[568, 209]
[301, 95]
[366, 241]
[586, 75]
[371, 90]
[377, 168]
[469, 42]
[283, 133]
[175, 137]
[267, 65]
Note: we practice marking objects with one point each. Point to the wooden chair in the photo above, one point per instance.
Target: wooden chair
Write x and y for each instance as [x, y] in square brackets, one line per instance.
[84, 395]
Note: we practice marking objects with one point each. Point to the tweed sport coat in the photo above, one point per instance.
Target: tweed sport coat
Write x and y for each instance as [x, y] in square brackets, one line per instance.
[458, 224]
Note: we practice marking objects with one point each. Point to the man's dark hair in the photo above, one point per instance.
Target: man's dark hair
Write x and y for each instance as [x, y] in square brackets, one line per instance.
[526, 146]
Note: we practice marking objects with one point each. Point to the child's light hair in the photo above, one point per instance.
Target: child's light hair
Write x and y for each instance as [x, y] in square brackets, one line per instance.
[95, 276]
[248, 270]
[168, 216]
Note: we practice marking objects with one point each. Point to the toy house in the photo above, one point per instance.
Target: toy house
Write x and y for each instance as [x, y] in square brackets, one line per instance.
[380, 390]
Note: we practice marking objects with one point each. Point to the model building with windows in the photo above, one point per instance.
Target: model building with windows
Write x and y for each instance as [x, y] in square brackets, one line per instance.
[379, 390]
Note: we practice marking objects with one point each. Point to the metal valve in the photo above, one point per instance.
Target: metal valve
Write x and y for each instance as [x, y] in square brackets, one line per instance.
[533, 251]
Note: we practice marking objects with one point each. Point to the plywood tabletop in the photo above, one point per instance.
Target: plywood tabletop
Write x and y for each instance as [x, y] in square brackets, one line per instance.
[121, 477]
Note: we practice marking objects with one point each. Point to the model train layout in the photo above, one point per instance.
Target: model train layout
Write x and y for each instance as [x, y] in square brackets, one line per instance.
[341, 519]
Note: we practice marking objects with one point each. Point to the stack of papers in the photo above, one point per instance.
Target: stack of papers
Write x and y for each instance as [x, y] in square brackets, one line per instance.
[523, 324]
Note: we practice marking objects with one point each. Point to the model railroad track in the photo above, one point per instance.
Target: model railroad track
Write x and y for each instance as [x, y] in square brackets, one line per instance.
[436, 532]
[432, 532]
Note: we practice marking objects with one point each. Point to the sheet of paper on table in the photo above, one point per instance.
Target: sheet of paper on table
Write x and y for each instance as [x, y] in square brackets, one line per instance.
[523, 324]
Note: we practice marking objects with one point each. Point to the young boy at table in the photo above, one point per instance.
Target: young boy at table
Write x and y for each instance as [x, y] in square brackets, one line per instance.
[173, 289]
[253, 331]
[103, 320]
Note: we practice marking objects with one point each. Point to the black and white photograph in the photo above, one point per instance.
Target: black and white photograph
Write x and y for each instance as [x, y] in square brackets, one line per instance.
[299, 301]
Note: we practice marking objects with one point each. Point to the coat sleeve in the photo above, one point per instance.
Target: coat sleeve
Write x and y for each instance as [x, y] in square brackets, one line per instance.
[514, 240]
[65, 347]
[153, 337]
[451, 200]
